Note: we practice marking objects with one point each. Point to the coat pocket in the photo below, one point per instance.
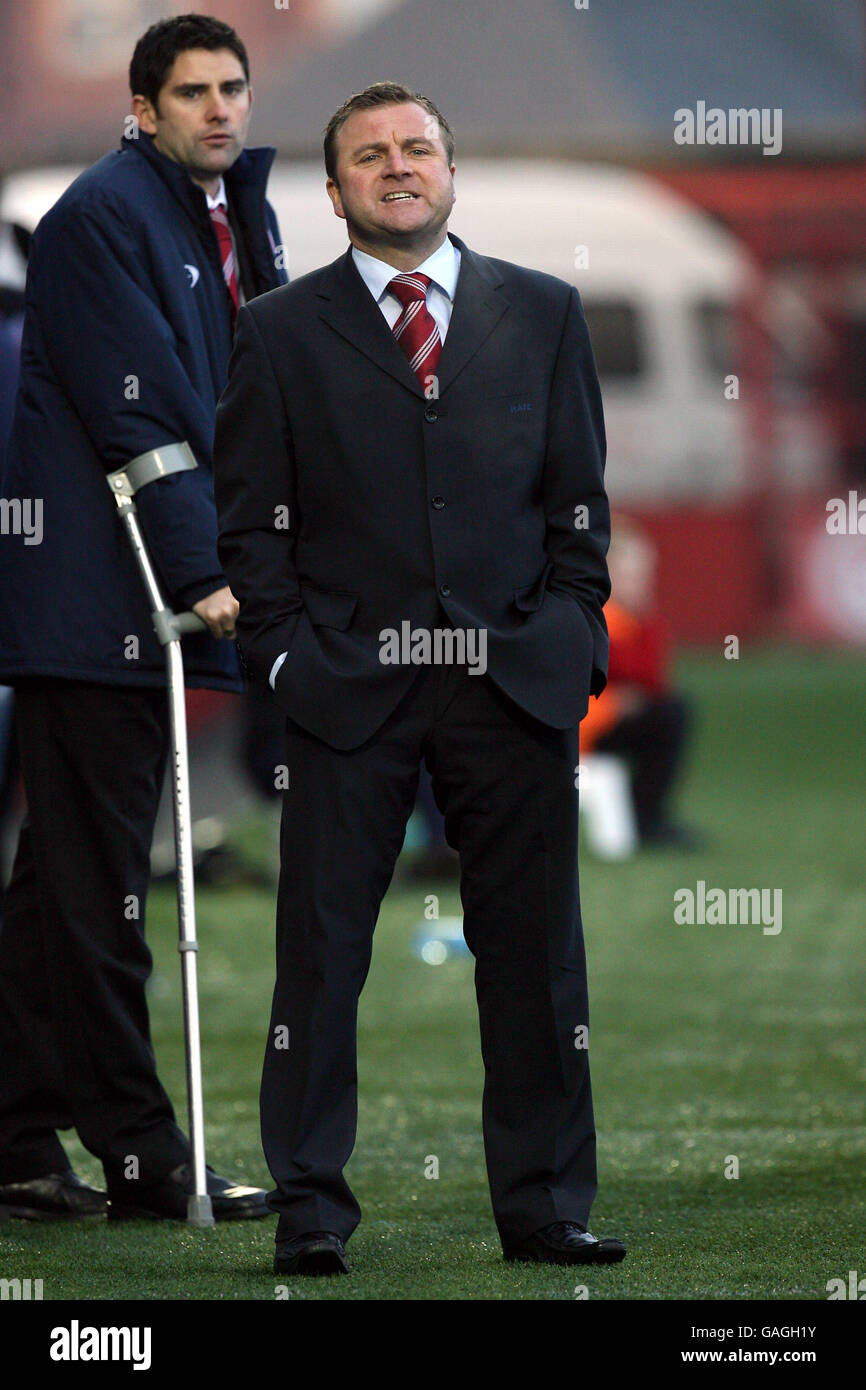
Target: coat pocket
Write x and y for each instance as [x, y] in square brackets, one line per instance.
[529, 597]
[328, 607]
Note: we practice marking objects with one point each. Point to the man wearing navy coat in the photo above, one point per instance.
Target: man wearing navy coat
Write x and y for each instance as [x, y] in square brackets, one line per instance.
[135, 279]
[429, 421]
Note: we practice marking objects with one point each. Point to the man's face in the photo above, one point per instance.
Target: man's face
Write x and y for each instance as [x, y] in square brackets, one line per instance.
[203, 113]
[394, 185]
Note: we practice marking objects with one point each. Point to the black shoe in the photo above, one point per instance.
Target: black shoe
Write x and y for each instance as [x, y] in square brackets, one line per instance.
[56, 1197]
[317, 1252]
[167, 1200]
[566, 1243]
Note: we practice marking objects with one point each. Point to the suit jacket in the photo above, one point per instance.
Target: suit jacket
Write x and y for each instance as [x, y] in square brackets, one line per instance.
[349, 501]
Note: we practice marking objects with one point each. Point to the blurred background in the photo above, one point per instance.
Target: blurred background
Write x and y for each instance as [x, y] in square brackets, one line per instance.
[724, 283]
[694, 261]
[725, 288]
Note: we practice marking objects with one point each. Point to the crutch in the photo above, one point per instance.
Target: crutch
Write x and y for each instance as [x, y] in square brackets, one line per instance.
[169, 628]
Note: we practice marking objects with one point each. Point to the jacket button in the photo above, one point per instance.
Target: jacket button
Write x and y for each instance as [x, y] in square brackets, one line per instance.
[445, 590]
[431, 414]
[438, 503]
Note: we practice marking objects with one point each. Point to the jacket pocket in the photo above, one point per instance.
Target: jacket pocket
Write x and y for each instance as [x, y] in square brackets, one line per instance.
[328, 607]
[529, 598]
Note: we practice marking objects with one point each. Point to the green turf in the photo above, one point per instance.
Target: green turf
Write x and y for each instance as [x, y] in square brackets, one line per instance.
[708, 1041]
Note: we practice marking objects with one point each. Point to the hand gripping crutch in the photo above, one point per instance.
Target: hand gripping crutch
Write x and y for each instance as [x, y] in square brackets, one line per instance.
[169, 628]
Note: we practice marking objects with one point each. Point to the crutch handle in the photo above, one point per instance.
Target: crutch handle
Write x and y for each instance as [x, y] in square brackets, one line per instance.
[189, 622]
[169, 626]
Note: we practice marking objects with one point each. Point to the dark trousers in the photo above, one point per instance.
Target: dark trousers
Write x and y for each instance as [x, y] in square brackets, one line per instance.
[74, 1030]
[433, 819]
[505, 784]
[652, 741]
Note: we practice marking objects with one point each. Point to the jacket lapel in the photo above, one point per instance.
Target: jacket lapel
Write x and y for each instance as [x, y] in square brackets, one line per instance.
[478, 306]
[349, 308]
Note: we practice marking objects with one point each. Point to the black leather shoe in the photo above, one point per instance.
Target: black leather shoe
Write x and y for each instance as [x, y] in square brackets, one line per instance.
[167, 1200]
[56, 1197]
[317, 1252]
[566, 1243]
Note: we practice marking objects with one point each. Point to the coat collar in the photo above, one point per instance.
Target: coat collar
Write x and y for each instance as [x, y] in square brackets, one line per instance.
[248, 173]
[349, 308]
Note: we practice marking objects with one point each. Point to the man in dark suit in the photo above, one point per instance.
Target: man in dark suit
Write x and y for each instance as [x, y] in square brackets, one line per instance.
[409, 482]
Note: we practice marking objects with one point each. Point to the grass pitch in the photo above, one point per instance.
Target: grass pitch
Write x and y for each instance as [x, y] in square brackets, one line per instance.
[710, 1044]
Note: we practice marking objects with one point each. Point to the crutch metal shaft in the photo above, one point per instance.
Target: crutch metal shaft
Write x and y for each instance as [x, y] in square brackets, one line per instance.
[169, 628]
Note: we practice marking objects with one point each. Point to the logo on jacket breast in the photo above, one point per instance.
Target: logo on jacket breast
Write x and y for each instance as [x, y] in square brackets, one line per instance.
[519, 407]
[193, 272]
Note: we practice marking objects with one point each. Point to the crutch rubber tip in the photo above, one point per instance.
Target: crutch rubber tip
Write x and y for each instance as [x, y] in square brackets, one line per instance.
[199, 1211]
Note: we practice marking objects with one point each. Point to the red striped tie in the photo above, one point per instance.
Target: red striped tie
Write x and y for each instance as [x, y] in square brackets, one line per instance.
[224, 237]
[415, 329]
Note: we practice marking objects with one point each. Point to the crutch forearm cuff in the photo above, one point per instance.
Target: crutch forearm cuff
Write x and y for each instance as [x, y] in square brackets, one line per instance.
[146, 468]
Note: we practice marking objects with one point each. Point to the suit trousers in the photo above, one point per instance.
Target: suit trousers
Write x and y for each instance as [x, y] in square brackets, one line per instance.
[506, 786]
[74, 1029]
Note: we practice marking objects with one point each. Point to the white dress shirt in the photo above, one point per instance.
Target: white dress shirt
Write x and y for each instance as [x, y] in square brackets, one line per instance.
[443, 267]
[219, 199]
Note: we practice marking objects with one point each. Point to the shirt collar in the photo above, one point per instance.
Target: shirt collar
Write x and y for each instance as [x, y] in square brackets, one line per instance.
[219, 199]
[443, 267]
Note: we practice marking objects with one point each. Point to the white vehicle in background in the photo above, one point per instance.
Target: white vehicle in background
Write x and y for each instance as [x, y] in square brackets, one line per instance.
[664, 287]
